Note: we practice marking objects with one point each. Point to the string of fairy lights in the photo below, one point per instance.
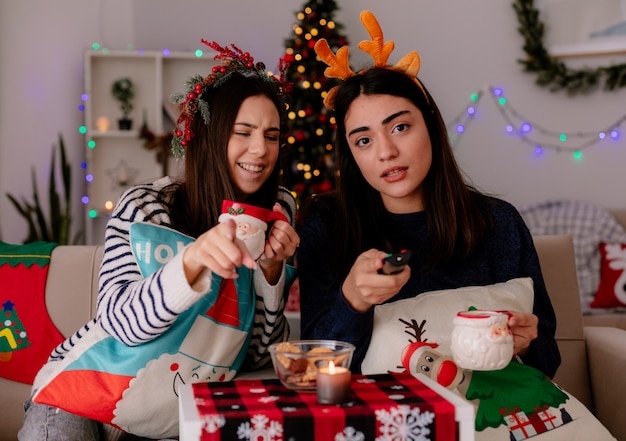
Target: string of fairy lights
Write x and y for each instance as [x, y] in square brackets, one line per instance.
[532, 133]
[516, 124]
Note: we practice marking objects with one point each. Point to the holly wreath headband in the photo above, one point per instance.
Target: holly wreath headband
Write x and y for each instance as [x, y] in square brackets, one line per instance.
[233, 61]
[377, 48]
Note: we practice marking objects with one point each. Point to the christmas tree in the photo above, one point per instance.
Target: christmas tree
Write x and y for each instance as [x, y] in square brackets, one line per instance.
[12, 334]
[310, 165]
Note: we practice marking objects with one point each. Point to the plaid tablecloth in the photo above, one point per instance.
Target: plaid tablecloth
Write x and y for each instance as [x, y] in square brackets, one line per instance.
[382, 407]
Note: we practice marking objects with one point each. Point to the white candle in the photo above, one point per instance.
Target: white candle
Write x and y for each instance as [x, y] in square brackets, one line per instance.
[333, 384]
[102, 123]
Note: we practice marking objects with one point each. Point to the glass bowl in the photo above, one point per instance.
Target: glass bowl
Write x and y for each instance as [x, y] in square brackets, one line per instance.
[296, 362]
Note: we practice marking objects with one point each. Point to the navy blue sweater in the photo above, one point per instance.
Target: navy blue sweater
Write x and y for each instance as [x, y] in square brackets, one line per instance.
[506, 253]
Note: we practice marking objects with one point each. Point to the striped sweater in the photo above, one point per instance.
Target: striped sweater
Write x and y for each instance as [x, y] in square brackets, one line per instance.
[135, 310]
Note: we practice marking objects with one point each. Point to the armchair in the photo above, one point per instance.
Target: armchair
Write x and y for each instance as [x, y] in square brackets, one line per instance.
[593, 358]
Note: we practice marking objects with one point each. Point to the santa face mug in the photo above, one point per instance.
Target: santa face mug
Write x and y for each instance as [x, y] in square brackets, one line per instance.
[251, 223]
[481, 340]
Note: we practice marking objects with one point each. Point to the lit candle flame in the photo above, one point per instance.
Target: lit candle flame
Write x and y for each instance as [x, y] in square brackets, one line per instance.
[331, 368]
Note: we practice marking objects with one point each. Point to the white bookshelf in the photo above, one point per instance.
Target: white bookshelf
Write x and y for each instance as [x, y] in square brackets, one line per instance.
[117, 159]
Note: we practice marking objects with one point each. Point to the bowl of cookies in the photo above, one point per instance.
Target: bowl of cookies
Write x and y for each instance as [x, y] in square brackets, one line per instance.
[296, 362]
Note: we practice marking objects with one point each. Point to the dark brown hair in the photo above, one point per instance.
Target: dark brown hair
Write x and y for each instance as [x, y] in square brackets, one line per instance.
[206, 182]
[455, 212]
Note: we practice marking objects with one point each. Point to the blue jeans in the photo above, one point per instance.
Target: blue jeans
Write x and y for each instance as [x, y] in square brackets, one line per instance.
[47, 423]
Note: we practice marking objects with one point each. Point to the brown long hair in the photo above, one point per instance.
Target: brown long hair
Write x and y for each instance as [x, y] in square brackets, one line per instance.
[206, 181]
[455, 212]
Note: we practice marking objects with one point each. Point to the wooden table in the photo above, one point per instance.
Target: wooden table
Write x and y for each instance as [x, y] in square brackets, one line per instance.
[386, 406]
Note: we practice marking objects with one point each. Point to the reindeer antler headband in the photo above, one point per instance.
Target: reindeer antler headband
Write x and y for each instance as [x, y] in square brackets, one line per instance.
[338, 64]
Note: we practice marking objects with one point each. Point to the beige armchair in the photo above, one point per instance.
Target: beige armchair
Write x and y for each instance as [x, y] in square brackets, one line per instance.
[593, 358]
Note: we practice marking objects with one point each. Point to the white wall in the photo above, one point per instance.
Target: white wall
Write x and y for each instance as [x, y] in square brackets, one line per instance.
[464, 47]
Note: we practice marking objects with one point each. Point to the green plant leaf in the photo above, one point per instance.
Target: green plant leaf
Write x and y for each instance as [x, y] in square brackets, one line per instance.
[54, 201]
[57, 227]
[38, 212]
[25, 211]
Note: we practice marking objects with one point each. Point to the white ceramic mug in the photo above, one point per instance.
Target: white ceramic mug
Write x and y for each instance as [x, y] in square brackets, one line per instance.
[481, 340]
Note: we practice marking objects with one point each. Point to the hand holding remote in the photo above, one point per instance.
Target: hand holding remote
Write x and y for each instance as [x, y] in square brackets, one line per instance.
[395, 262]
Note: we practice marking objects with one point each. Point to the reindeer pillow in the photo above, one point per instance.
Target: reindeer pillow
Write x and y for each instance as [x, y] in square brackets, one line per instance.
[611, 291]
[515, 403]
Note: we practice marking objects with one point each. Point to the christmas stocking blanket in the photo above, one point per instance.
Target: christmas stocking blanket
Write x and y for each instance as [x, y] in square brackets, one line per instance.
[27, 334]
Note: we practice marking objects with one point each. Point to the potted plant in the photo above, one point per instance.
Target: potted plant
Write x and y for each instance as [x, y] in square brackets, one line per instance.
[55, 227]
[123, 90]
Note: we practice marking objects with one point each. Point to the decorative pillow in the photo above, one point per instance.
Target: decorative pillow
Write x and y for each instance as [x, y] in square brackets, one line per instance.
[27, 333]
[589, 224]
[514, 403]
[132, 388]
[611, 291]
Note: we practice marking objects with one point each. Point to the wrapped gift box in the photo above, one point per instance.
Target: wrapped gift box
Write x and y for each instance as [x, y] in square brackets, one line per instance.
[386, 406]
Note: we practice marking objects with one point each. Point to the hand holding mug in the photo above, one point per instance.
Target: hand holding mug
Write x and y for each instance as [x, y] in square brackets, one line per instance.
[481, 340]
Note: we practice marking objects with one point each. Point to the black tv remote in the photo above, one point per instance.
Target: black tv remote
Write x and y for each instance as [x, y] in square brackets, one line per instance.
[395, 262]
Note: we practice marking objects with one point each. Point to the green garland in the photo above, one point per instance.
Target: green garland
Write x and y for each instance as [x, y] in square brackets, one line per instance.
[553, 72]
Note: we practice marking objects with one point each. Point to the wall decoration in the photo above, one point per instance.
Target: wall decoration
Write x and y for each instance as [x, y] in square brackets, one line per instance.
[459, 124]
[542, 138]
[554, 73]
[585, 28]
[532, 132]
[122, 175]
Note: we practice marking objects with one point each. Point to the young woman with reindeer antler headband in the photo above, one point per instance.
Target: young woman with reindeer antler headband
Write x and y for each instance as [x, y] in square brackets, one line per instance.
[399, 187]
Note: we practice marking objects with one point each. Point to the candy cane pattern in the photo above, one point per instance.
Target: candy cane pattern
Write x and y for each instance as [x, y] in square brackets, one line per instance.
[6, 333]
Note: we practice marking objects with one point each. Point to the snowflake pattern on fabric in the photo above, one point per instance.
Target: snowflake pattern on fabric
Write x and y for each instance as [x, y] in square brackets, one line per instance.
[404, 423]
[350, 434]
[260, 428]
[212, 423]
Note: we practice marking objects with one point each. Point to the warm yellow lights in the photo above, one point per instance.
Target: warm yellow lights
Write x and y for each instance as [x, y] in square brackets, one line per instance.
[323, 22]
[329, 147]
[298, 57]
[333, 120]
[291, 140]
[308, 10]
[108, 205]
[102, 124]
[319, 132]
[316, 172]
[301, 69]
[303, 167]
[289, 50]
[306, 84]
[314, 32]
[331, 25]
[317, 85]
[298, 30]
[308, 36]
[301, 113]
[300, 16]
[307, 176]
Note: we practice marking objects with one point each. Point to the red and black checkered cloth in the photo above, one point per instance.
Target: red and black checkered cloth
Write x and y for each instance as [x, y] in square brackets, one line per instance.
[391, 406]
